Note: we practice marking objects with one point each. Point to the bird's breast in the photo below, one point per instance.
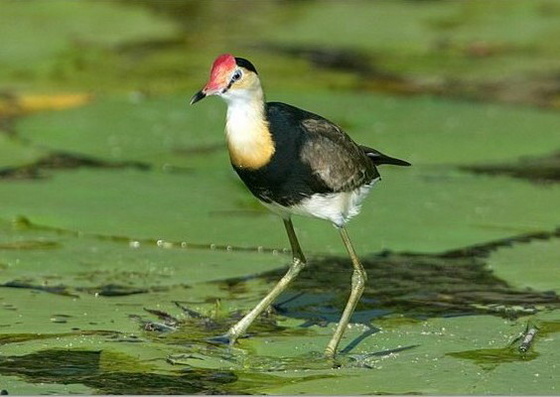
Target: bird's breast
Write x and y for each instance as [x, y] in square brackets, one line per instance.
[249, 140]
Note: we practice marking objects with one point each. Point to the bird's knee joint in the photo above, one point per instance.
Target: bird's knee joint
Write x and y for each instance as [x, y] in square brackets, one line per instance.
[296, 267]
[359, 279]
[299, 263]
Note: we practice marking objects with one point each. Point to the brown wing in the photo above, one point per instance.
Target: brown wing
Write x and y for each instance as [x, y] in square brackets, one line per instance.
[335, 158]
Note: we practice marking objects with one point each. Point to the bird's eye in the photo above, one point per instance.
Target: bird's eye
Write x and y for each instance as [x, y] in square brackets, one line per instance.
[236, 76]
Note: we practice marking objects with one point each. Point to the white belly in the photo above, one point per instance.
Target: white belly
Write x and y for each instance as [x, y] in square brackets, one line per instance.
[335, 207]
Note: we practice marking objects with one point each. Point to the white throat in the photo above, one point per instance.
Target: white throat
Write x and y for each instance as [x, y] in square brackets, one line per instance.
[245, 110]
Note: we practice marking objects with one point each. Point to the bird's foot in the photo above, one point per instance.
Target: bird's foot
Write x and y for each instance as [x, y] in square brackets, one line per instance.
[224, 339]
[229, 338]
[329, 354]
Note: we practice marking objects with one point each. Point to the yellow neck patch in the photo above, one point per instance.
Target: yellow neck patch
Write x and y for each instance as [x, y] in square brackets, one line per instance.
[248, 136]
[250, 146]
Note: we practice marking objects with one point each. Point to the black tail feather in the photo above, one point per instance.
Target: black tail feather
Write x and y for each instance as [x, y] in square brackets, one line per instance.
[379, 158]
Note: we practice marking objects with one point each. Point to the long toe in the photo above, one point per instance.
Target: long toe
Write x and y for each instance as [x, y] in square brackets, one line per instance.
[221, 339]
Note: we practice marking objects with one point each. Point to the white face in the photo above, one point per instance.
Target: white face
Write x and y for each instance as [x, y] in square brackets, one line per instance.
[244, 86]
[238, 95]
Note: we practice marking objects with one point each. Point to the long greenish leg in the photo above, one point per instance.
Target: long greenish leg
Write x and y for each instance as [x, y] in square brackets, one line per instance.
[298, 263]
[297, 253]
[359, 278]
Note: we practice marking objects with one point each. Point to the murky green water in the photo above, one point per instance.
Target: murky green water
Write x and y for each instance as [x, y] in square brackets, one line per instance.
[127, 242]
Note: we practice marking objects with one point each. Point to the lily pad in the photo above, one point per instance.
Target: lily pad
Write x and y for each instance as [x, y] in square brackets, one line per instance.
[425, 366]
[165, 131]
[16, 154]
[474, 40]
[529, 266]
[120, 129]
[106, 23]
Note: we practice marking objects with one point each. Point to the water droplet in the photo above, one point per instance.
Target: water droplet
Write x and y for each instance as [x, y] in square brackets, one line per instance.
[59, 319]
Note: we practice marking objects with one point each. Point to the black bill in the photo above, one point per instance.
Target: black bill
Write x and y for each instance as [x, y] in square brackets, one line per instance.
[197, 97]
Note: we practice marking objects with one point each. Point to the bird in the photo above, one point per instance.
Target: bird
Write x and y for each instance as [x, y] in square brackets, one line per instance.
[294, 162]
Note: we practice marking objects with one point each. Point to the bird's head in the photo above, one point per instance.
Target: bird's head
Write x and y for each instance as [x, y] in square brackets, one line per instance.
[231, 78]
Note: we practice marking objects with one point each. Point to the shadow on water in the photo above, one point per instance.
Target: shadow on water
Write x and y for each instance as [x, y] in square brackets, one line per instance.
[417, 286]
[451, 283]
[544, 169]
[62, 161]
[87, 367]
